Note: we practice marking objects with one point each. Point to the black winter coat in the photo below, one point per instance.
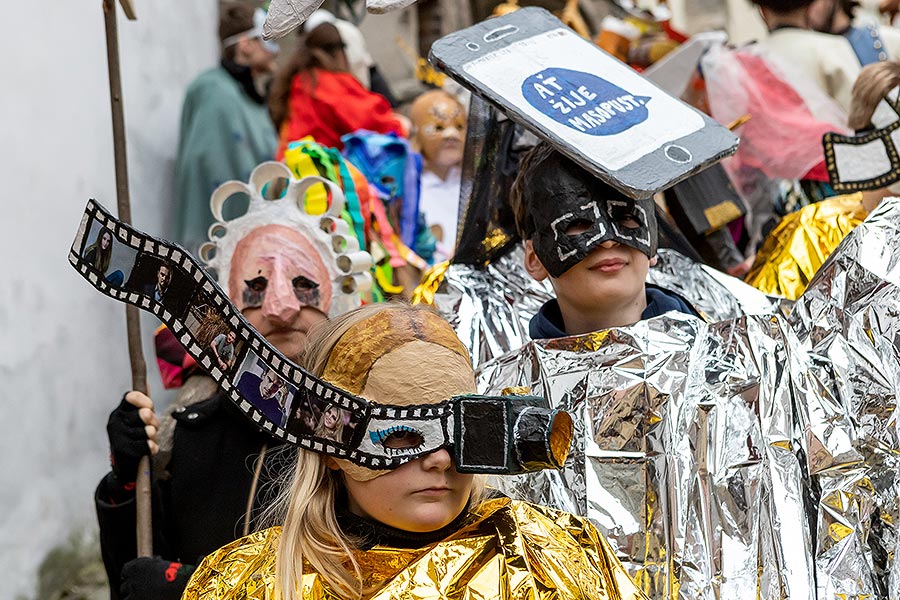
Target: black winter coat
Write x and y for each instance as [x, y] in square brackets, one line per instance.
[200, 501]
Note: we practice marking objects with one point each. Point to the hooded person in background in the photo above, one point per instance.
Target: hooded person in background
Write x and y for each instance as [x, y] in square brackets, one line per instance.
[225, 127]
[360, 62]
[316, 95]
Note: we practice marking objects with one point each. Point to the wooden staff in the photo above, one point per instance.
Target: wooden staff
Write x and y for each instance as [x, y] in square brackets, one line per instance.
[132, 315]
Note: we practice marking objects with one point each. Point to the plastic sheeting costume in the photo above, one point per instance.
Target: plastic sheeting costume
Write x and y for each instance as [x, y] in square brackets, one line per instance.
[503, 549]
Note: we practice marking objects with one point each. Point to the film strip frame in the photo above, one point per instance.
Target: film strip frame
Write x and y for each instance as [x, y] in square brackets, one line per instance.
[307, 386]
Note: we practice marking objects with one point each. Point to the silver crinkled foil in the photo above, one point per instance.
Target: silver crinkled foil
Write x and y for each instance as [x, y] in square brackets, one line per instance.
[490, 308]
[684, 455]
[849, 317]
[748, 456]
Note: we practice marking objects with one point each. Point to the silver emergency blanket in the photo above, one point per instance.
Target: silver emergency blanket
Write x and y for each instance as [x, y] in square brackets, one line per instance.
[849, 319]
[750, 457]
[684, 451]
[490, 308]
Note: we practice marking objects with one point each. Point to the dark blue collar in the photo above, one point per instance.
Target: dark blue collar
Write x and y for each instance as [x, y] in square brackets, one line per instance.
[548, 322]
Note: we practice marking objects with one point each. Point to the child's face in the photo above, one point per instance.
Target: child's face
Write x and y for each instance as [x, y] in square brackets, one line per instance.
[611, 276]
[427, 493]
[422, 495]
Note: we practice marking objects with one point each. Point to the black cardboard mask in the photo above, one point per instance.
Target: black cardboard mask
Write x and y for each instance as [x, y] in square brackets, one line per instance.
[572, 212]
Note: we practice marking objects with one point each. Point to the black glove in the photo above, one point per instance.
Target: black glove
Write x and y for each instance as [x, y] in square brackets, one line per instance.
[127, 442]
[154, 578]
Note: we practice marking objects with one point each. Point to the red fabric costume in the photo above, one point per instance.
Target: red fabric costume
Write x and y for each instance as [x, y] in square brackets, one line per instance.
[329, 104]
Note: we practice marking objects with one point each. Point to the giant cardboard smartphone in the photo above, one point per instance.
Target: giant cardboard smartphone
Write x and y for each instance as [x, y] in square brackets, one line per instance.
[592, 107]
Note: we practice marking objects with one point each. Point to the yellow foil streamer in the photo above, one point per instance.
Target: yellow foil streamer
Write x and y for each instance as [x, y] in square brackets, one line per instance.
[425, 291]
[796, 249]
[505, 549]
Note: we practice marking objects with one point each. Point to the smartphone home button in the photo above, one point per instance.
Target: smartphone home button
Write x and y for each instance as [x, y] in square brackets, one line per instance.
[677, 154]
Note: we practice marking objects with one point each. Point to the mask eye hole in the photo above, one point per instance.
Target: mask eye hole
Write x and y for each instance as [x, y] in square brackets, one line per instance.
[399, 437]
[402, 440]
[257, 284]
[625, 216]
[306, 290]
[302, 283]
[578, 226]
[255, 291]
[629, 222]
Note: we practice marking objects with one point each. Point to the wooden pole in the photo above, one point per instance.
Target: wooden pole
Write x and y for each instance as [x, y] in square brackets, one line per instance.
[132, 315]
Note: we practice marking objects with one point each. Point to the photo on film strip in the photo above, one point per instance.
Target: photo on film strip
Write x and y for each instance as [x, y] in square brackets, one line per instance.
[265, 388]
[218, 339]
[107, 256]
[157, 278]
[314, 416]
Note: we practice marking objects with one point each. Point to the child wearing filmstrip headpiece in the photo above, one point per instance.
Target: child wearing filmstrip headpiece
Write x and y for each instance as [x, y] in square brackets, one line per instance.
[286, 268]
[423, 529]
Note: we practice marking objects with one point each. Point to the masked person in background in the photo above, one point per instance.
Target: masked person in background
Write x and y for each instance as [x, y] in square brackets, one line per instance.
[359, 60]
[316, 95]
[213, 465]
[439, 132]
[421, 530]
[225, 126]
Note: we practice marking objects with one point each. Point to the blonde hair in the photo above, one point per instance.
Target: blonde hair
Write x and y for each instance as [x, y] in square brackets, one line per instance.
[306, 506]
[871, 86]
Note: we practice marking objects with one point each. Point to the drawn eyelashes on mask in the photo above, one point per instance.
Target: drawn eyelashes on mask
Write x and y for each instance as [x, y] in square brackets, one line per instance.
[399, 439]
[306, 290]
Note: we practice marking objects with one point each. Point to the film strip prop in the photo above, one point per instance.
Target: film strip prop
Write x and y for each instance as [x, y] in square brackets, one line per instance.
[275, 393]
[488, 434]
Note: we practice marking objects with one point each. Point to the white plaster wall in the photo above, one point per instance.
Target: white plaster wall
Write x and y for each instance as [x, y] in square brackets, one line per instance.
[63, 364]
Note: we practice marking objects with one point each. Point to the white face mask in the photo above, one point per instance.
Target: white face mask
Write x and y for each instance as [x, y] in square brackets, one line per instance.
[259, 18]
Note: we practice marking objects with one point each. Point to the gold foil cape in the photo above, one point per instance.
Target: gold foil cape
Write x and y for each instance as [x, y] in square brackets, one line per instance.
[506, 550]
[753, 457]
[797, 247]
